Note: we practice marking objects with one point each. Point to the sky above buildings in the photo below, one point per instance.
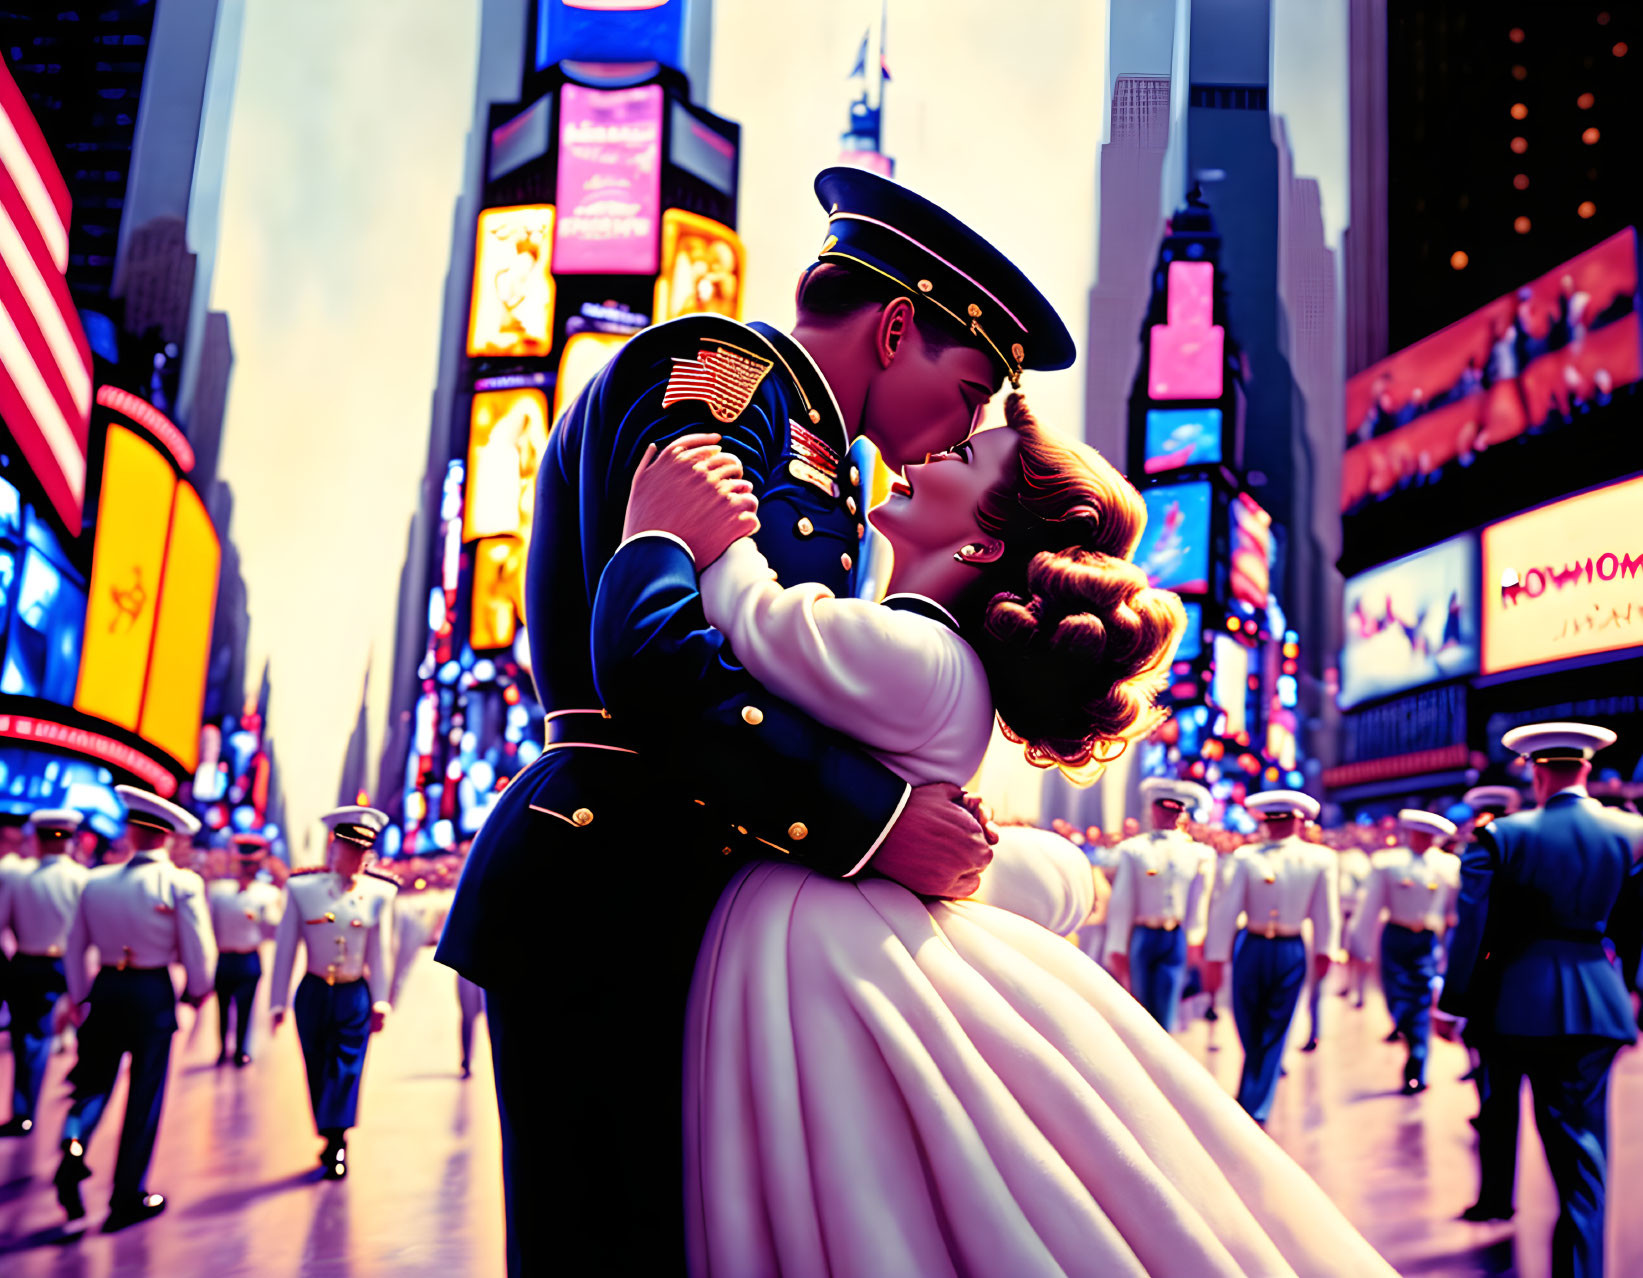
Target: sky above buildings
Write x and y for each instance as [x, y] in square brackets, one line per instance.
[345, 153]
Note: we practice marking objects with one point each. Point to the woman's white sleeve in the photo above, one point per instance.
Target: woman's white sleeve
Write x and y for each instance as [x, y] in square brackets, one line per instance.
[888, 679]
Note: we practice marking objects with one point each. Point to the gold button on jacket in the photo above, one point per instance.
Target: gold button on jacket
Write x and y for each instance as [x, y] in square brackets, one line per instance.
[752, 715]
[582, 816]
[797, 831]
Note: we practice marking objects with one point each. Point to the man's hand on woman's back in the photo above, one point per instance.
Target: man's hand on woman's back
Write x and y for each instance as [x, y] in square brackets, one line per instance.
[940, 843]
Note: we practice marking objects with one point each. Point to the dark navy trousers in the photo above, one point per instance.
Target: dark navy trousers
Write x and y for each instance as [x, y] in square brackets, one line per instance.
[1569, 1077]
[1409, 961]
[36, 984]
[237, 977]
[1158, 971]
[1268, 975]
[334, 1027]
[132, 1011]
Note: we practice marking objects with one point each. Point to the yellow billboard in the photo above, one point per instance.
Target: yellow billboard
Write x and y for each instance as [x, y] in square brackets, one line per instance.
[511, 312]
[584, 358]
[499, 592]
[175, 694]
[702, 266]
[1565, 580]
[507, 435]
[133, 518]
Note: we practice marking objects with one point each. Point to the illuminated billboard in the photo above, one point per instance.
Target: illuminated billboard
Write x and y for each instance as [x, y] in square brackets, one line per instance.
[507, 437]
[1179, 437]
[610, 175]
[609, 31]
[133, 521]
[1250, 577]
[1192, 638]
[1410, 622]
[1229, 685]
[584, 358]
[1174, 550]
[151, 600]
[702, 267]
[1565, 580]
[512, 308]
[175, 693]
[42, 606]
[1531, 359]
[1185, 355]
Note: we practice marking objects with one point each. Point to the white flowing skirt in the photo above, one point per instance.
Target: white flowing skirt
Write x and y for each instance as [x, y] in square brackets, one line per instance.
[880, 1086]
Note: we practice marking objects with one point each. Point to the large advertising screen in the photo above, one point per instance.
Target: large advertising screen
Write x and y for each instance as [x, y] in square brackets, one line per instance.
[1536, 358]
[1229, 685]
[610, 177]
[1174, 550]
[507, 437]
[512, 308]
[152, 599]
[702, 267]
[1250, 576]
[1179, 437]
[42, 606]
[1565, 580]
[133, 521]
[1412, 621]
[175, 692]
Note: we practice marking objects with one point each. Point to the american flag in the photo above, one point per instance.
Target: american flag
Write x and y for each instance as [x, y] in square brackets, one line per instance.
[725, 380]
[45, 363]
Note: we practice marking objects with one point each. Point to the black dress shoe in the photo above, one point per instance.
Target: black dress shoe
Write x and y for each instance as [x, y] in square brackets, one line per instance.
[1393, 1037]
[334, 1160]
[467, 1071]
[1212, 1014]
[18, 1127]
[70, 1172]
[1413, 1087]
[133, 1211]
[242, 1060]
[1311, 1044]
[1481, 1213]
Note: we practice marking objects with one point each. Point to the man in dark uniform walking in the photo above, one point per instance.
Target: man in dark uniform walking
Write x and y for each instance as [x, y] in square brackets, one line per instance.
[908, 324]
[1538, 891]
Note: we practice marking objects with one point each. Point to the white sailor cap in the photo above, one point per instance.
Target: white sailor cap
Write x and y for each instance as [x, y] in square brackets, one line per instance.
[1493, 798]
[55, 822]
[356, 825]
[1185, 794]
[1548, 741]
[145, 808]
[1428, 822]
[1275, 805]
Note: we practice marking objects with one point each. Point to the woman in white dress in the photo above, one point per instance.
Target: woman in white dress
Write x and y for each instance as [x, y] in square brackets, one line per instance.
[880, 1085]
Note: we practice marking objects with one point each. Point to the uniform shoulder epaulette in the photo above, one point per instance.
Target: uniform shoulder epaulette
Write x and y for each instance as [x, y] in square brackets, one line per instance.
[385, 875]
[308, 869]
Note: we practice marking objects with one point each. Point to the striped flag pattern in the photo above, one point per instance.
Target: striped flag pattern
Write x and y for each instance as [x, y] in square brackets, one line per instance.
[45, 362]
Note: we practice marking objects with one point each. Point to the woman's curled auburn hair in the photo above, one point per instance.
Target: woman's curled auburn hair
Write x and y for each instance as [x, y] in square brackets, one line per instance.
[1077, 660]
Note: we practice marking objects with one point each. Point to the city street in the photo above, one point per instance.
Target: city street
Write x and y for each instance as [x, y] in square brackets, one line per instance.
[237, 1147]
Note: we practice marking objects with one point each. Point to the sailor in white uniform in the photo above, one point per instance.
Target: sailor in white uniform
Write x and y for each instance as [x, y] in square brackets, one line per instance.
[1353, 868]
[1279, 885]
[245, 910]
[343, 915]
[37, 902]
[140, 917]
[1160, 894]
[1416, 885]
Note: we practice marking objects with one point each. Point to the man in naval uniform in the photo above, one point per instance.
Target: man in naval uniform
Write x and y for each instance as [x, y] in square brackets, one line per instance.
[343, 916]
[1159, 896]
[1488, 802]
[140, 917]
[1279, 884]
[675, 766]
[1538, 890]
[1415, 884]
[13, 862]
[1353, 870]
[38, 905]
[245, 910]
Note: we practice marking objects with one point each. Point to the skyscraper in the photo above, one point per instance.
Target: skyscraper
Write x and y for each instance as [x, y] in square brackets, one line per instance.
[1132, 163]
[1364, 243]
[1512, 134]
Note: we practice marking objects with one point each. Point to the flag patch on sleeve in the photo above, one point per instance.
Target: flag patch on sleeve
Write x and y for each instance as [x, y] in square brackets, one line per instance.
[722, 377]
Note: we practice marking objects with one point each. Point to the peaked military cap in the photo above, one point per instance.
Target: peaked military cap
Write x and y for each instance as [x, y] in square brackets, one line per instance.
[1547, 741]
[1492, 798]
[1186, 795]
[145, 808]
[56, 823]
[922, 248]
[356, 825]
[1277, 805]
[1430, 822]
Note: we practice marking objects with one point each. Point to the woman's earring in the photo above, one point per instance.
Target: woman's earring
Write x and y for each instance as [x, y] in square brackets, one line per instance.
[960, 556]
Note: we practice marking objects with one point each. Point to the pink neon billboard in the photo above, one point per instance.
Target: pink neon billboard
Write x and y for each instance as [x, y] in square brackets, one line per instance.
[609, 181]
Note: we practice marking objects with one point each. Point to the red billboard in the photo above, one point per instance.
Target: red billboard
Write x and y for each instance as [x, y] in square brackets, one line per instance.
[610, 174]
[45, 363]
[1532, 359]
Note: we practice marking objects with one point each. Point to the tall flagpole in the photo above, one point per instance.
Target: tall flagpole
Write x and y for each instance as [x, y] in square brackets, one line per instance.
[884, 26]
